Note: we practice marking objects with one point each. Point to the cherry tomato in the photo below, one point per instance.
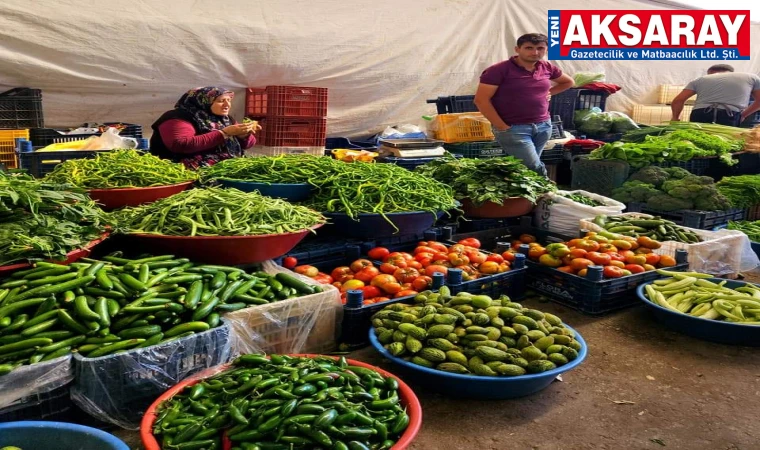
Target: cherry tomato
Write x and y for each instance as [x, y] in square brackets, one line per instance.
[289, 262]
[378, 253]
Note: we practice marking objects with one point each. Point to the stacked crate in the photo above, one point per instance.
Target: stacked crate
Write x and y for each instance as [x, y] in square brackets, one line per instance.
[463, 129]
[660, 113]
[293, 119]
[20, 109]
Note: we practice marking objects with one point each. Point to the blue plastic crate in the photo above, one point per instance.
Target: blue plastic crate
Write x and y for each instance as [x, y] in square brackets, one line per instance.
[53, 405]
[455, 104]
[553, 155]
[510, 283]
[702, 220]
[592, 297]
[482, 149]
[39, 164]
[697, 166]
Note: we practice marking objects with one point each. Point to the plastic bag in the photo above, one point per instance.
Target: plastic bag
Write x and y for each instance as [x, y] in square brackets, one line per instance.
[119, 388]
[721, 253]
[308, 324]
[581, 114]
[402, 132]
[621, 123]
[596, 123]
[562, 215]
[583, 78]
[29, 380]
[109, 140]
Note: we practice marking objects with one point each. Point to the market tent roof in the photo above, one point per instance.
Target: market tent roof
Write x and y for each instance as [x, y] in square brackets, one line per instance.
[110, 60]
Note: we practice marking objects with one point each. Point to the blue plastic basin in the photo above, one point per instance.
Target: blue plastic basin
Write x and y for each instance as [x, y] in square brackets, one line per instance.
[707, 329]
[29, 435]
[295, 192]
[477, 387]
[375, 226]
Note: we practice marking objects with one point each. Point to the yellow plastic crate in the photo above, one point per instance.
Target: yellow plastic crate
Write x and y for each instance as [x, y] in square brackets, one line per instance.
[667, 92]
[8, 146]
[657, 114]
[461, 127]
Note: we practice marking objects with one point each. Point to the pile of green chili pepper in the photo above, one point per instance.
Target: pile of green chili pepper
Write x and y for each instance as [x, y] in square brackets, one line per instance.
[217, 212]
[355, 188]
[582, 199]
[270, 169]
[97, 308]
[40, 220]
[283, 403]
[748, 227]
[120, 169]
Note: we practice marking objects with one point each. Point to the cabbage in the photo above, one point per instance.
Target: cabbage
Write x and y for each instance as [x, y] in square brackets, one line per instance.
[584, 78]
[596, 124]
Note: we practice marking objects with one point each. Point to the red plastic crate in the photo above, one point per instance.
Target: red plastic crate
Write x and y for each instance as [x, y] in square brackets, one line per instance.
[292, 132]
[290, 101]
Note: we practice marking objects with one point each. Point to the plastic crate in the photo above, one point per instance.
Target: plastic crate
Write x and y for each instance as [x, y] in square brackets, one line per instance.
[119, 388]
[588, 99]
[485, 149]
[557, 129]
[42, 137]
[697, 166]
[54, 405]
[667, 92]
[756, 248]
[563, 106]
[553, 155]
[461, 127]
[598, 176]
[657, 114]
[455, 104]
[749, 164]
[701, 220]
[263, 150]
[39, 164]
[21, 108]
[753, 213]
[510, 283]
[293, 132]
[291, 101]
[8, 147]
[471, 225]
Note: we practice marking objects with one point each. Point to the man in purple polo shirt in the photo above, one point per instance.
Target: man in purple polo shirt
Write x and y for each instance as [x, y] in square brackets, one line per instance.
[513, 96]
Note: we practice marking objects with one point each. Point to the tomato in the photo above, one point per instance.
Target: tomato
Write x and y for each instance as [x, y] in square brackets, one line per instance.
[495, 257]
[440, 256]
[337, 284]
[424, 255]
[323, 278]
[616, 263]
[389, 268]
[382, 279]
[399, 256]
[442, 262]
[527, 238]
[557, 250]
[289, 262]
[438, 247]
[391, 288]
[405, 293]
[458, 259]
[612, 272]
[371, 292]
[381, 299]
[607, 248]
[652, 258]
[573, 243]
[415, 265]
[406, 275]
[626, 253]
[423, 249]
[578, 253]
[477, 257]
[431, 269]
[360, 264]
[643, 251]
[647, 242]
[634, 268]
[582, 272]
[422, 282]
[616, 257]
[535, 252]
[504, 267]
[549, 260]
[309, 271]
[508, 255]
[567, 259]
[597, 238]
[622, 244]
[352, 284]
[470, 242]
[667, 261]
[378, 253]
[566, 269]
[425, 262]
[457, 248]
[489, 267]
[636, 259]
[367, 274]
[626, 272]
[516, 244]
[649, 267]
[581, 263]
[342, 273]
[600, 259]
[588, 245]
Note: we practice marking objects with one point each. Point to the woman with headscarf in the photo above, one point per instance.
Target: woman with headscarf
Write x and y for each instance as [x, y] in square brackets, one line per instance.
[199, 131]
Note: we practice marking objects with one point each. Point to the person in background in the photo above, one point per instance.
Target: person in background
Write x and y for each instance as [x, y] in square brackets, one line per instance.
[722, 97]
[514, 96]
[199, 131]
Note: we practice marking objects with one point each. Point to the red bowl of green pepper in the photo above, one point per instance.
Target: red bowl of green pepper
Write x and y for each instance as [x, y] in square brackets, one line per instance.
[120, 197]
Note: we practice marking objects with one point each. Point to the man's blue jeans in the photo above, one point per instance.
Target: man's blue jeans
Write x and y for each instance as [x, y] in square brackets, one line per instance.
[526, 142]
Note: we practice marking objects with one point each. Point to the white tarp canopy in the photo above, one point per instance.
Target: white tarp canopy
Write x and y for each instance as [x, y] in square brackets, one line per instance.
[118, 61]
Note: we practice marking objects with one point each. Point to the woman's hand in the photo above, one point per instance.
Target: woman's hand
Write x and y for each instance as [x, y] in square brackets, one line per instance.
[239, 129]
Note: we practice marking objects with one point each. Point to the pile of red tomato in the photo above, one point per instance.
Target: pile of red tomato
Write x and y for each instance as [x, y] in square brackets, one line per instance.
[618, 255]
[400, 274]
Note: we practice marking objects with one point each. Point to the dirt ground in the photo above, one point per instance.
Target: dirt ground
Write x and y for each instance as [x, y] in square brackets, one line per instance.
[642, 386]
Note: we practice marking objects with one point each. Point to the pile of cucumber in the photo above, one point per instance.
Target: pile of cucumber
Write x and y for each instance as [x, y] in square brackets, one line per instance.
[99, 308]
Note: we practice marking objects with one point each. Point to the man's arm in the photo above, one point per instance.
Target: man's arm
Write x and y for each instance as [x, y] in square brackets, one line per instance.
[563, 83]
[754, 107]
[483, 101]
[677, 105]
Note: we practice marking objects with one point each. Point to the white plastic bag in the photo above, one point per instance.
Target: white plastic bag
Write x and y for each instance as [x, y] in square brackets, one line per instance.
[109, 140]
[561, 215]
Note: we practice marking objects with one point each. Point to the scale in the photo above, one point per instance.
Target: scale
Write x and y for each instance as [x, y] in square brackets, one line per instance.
[411, 148]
